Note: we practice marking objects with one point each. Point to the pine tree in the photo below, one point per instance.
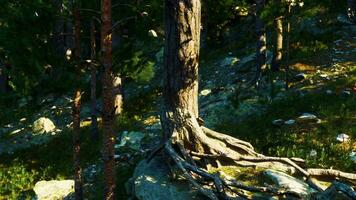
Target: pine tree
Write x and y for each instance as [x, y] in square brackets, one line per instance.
[78, 186]
[108, 102]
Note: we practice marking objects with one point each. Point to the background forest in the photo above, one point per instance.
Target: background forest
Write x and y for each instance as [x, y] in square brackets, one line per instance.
[278, 74]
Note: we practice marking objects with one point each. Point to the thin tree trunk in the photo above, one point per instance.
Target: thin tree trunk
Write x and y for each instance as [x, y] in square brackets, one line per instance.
[108, 102]
[93, 102]
[3, 79]
[278, 48]
[261, 38]
[58, 37]
[76, 109]
[76, 151]
[69, 43]
[288, 47]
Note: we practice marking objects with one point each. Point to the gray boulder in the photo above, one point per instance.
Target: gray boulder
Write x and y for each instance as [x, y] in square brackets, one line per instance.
[43, 125]
[289, 183]
[151, 181]
[53, 190]
[131, 140]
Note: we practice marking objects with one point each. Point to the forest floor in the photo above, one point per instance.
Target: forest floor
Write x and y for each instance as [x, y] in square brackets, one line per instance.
[327, 90]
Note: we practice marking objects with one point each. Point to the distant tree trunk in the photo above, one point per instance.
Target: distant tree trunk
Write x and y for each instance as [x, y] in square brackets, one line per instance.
[58, 37]
[261, 38]
[93, 102]
[351, 10]
[3, 79]
[278, 48]
[287, 47]
[69, 42]
[76, 108]
[108, 102]
[118, 97]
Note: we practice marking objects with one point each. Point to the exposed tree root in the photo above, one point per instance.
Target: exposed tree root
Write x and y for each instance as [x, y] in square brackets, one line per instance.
[194, 148]
[332, 173]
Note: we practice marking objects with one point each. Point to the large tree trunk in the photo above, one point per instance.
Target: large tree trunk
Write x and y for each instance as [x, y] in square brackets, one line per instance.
[78, 186]
[182, 45]
[192, 147]
[93, 102]
[108, 102]
[278, 48]
[261, 38]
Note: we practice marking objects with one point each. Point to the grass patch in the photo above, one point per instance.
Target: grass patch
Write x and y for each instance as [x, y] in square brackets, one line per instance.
[20, 171]
[336, 112]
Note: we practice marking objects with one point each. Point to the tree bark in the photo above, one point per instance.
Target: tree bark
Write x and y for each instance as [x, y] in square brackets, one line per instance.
[93, 101]
[190, 146]
[261, 38]
[278, 48]
[182, 55]
[78, 185]
[287, 47]
[76, 143]
[180, 94]
[108, 102]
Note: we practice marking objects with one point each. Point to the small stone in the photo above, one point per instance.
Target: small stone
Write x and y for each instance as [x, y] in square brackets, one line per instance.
[16, 131]
[307, 117]
[278, 122]
[300, 77]
[9, 126]
[23, 119]
[329, 92]
[205, 92]
[313, 153]
[345, 93]
[343, 137]
[290, 122]
[152, 33]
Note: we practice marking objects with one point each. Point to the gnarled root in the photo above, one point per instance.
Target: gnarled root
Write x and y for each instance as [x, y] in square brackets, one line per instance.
[194, 148]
